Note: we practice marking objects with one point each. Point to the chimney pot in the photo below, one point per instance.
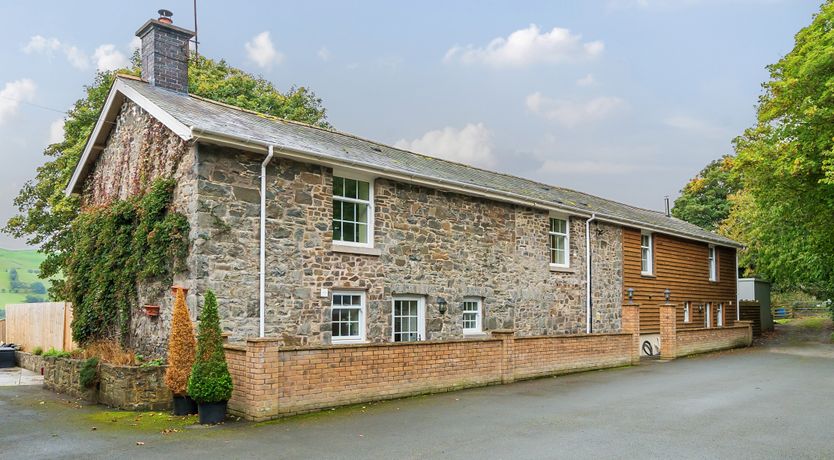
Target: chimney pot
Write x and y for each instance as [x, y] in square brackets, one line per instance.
[165, 16]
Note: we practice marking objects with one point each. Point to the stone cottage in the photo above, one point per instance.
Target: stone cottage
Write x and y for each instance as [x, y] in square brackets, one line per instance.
[320, 237]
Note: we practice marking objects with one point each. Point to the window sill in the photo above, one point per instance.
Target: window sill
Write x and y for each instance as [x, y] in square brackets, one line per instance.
[361, 250]
[347, 342]
[647, 275]
[474, 335]
[560, 269]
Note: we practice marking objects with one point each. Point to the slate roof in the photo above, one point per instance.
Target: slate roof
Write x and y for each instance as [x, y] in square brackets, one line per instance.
[229, 121]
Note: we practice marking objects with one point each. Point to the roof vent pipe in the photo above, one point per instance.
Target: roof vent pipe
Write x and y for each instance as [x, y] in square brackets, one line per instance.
[668, 210]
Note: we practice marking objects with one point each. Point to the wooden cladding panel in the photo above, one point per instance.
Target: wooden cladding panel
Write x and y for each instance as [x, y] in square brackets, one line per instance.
[682, 266]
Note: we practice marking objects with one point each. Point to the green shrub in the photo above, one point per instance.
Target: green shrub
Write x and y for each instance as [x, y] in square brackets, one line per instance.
[210, 380]
[153, 363]
[37, 351]
[89, 373]
[53, 353]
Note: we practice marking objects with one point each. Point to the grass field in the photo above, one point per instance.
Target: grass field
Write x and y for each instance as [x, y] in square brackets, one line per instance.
[26, 262]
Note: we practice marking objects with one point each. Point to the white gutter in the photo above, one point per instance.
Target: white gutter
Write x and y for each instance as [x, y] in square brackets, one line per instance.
[588, 273]
[262, 293]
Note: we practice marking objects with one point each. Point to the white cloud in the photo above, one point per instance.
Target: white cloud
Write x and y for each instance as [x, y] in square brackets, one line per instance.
[262, 52]
[587, 80]
[696, 126]
[527, 46]
[572, 113]
[323, 54]
[39, 44]
[135, 44]
[56, 131]
[107, 57]
[13, 93]
[471, 144]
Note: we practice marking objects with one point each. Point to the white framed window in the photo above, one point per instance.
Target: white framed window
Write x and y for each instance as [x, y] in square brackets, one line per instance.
[353, 210]
[687, 314]
[472, 316]
[708, 315]
[559, 242]
[713, 264]
[408, 319]
[347, 317]
[719, 315]
[646, 254]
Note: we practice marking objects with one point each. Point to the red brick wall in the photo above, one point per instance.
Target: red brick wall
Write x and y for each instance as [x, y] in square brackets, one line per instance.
[551, 355]
[692, 341]
[271, 381]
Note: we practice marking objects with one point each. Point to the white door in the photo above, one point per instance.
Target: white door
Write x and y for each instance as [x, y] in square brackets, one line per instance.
[409, 319]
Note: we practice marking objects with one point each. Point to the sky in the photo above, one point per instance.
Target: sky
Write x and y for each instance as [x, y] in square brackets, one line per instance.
[624, 99]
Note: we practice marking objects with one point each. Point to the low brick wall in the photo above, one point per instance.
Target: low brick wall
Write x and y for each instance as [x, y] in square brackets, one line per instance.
[123, 387]
[273, 381]
[551, 355]
[29, 361]
[694, 341]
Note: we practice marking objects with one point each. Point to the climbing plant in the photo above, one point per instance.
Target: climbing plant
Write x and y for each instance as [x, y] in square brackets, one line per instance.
[115, 247]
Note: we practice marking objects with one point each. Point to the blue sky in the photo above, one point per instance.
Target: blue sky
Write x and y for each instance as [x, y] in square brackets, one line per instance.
[626, 99]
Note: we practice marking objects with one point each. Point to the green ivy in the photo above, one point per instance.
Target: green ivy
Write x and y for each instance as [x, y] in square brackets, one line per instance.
[113, 249]
[88, 376]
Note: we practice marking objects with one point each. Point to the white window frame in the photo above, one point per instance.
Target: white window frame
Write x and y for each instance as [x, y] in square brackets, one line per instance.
[708, 315]
[649, 254]
[479, 314]
[421, 315]
[719, 315]
[361, 338]
[346, 174]
[687, 312]
[712, 258]
[566, 235]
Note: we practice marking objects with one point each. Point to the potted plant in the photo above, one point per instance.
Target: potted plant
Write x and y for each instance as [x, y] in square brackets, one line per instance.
[181, 351]
[210, 383]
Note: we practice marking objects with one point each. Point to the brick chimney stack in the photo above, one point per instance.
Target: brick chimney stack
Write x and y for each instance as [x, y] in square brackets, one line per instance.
[165, 53]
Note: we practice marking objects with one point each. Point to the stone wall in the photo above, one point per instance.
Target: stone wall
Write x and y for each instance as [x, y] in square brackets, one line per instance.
[123, 387]
[29, 361]
[430, 243]
[138, 151]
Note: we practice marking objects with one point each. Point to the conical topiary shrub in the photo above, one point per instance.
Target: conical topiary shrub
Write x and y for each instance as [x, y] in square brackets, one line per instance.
[210, 383]
[181, 352]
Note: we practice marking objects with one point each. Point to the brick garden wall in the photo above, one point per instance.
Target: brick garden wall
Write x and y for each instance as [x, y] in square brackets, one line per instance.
[693, 341]
[273, 381]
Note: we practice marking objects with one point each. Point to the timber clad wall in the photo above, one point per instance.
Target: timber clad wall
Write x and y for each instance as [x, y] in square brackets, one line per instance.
[682, 266]
[272, 381]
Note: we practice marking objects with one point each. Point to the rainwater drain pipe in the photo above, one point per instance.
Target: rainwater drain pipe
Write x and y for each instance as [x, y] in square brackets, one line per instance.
[588, 273]
[262, 286]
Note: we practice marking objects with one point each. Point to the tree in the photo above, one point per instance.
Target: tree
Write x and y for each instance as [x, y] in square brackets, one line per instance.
[181, 347]
[210, 380]
[37, 287]
[786, 165]
[44, 213]
[704, 201]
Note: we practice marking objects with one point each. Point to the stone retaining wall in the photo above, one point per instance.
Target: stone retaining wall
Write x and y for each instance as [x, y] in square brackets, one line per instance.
[271, 381]
[34, 363]
[123, 387]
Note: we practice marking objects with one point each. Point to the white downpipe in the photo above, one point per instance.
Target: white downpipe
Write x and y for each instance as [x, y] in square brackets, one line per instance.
[262, 286]
[738, 306]
[588, 273]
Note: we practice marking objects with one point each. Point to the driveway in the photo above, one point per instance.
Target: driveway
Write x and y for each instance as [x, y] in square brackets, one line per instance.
[762, 402]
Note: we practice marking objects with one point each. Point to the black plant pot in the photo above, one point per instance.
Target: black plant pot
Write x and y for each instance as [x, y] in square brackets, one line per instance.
[211, 413]
[184, 405]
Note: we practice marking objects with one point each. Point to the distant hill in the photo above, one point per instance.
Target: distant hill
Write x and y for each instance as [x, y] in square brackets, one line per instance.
[20, 278]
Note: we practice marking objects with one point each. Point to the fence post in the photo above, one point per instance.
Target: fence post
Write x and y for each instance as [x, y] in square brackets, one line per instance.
[668, 331]
[507, 337]
[631, 325]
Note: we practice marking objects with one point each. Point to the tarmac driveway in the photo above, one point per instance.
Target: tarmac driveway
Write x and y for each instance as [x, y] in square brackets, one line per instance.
[762, 402]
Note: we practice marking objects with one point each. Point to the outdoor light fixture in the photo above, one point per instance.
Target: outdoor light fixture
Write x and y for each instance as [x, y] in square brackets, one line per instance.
[668, 294]
[630, 295]
[441, 305]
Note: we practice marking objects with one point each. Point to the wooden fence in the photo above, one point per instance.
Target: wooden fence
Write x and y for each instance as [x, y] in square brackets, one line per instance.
[45, 325]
